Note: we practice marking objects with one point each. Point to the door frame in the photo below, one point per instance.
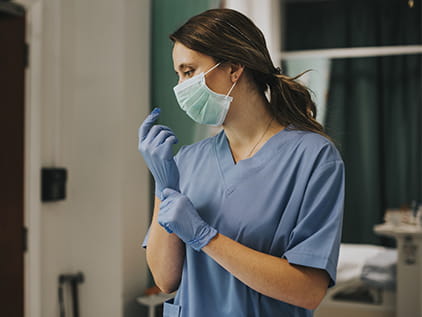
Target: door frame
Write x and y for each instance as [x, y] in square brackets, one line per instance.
[32, 159]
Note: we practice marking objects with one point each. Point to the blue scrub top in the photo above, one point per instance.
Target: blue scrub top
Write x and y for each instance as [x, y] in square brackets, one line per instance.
[286, 200]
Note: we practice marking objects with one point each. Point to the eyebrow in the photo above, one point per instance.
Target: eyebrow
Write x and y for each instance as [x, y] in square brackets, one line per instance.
[184, 65]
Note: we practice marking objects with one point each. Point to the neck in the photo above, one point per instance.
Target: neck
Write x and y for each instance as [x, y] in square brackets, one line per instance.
[248, 124]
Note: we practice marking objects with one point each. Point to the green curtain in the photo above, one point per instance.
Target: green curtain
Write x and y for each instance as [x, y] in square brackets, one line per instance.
[374, 107]
[167, 16]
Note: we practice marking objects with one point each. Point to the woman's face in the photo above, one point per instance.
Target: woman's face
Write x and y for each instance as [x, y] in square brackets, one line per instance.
[188, 63]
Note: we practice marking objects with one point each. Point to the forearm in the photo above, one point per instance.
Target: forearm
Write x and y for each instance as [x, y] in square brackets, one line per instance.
[165, 256]
[269, 275]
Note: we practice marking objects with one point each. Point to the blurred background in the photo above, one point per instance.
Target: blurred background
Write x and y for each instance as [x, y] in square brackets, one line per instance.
[77, 77]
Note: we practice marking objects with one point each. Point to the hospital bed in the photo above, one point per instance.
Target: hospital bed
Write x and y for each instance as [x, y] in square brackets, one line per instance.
[365, 283]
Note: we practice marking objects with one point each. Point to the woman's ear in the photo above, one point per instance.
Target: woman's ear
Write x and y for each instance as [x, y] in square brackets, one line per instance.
[236, 70]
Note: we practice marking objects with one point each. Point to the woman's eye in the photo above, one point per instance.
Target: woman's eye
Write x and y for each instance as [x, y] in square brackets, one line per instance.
[188, 73]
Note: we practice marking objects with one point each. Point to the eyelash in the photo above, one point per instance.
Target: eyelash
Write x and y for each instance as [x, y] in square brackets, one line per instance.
[188, 73]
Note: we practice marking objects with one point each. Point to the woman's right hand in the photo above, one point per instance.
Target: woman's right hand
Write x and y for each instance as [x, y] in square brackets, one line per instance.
[155, 144]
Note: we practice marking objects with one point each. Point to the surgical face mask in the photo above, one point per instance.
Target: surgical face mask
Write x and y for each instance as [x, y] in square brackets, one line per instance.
[201, 103]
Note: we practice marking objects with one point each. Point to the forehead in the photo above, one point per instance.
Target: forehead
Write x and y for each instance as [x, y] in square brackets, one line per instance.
[183, 55]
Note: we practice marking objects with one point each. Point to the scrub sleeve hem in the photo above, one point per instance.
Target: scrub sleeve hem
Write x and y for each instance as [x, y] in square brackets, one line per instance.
[171, 310]
[313, 260]
[145, 242]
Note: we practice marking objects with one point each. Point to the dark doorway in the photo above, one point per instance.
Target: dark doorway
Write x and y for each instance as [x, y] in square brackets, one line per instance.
[12, 75]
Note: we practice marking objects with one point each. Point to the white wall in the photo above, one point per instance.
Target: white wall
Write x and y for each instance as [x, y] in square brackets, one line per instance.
[266, 14]
[94, 94]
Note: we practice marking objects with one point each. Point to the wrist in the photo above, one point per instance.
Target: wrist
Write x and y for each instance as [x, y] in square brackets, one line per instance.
[204, 236]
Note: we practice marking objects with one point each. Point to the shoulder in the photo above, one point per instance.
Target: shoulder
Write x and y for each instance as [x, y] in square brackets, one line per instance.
[198, 149]
[311, 145]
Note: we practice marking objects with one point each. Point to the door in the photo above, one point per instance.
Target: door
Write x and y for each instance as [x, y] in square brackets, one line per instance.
[12, 69]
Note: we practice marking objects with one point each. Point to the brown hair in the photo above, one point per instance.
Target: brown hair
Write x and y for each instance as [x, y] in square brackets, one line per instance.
[229, 36]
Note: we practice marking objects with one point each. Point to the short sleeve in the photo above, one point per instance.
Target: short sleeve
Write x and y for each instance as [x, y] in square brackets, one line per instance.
[145, 242]
[315, 240]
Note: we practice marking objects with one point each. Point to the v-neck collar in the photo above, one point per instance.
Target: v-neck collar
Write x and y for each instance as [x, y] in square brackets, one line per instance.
[232, 172]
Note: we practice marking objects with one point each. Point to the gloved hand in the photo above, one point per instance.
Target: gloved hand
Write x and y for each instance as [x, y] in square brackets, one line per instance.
[155, 144]
[178, 215]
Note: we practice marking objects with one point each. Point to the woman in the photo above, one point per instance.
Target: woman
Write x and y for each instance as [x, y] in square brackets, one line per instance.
[248, 222]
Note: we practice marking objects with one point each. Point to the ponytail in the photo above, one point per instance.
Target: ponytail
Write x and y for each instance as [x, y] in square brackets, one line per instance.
[292, 105]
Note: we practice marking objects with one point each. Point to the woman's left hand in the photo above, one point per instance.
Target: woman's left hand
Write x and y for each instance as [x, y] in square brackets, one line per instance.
[178, 215]
[155, 144]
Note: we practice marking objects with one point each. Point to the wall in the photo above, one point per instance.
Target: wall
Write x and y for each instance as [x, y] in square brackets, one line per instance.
[267, 15]
[94, 94]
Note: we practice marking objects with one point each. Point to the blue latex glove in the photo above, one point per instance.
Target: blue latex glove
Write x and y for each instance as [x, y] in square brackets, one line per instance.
[178, 215]
[155, 144]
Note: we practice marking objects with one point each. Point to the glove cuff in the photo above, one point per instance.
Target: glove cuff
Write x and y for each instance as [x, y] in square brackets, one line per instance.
[203, 238]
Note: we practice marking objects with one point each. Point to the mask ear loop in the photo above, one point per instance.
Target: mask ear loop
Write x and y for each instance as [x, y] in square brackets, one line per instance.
[230, 90]
[212, 68]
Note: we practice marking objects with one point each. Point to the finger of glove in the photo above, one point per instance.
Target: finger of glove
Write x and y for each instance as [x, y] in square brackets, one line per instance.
[154, 131]
[163, 223]
[167, 147]
[168, 229]
[168, 192]
[163, 216]
[148, 123]
[171, 140]
[171, 217]
[161, 137]
[164, 202]
[145, 144]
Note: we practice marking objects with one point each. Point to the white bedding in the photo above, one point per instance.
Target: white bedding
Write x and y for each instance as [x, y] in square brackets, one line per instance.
[352, 259]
